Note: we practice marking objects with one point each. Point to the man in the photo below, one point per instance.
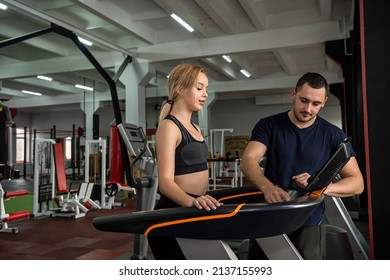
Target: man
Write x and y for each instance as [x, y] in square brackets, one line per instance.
[296, 144]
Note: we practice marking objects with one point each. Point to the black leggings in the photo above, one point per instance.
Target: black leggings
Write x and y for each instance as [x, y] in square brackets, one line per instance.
[162, 247]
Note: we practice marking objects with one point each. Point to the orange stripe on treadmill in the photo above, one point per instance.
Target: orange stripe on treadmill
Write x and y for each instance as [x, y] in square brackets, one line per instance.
[239, 195]
[197, 219]
[317, 193]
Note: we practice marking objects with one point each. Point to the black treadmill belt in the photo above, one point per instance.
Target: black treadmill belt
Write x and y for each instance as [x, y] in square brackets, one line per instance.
[230, 221]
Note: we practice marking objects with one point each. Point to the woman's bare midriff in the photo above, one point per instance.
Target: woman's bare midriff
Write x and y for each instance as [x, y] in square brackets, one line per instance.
[194, 183]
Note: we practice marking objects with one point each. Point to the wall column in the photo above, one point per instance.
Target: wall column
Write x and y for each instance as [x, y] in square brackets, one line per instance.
[135, 77]
[89, 107]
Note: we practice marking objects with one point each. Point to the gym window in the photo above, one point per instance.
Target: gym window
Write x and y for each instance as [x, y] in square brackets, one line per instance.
[68, 148]
[20, 146]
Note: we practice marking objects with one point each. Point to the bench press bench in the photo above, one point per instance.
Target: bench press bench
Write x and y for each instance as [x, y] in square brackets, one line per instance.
[5, 217]
[74, 203]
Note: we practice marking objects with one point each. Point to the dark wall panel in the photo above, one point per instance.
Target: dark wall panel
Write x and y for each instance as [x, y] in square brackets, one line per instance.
[376, 65]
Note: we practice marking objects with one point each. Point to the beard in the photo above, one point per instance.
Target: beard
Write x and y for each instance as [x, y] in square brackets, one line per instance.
[302, 116]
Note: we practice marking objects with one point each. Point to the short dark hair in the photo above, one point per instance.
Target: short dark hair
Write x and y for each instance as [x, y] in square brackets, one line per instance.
[314, 80]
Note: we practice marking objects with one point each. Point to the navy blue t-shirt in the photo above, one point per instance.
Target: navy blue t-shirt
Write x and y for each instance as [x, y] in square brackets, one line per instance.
[292, 150]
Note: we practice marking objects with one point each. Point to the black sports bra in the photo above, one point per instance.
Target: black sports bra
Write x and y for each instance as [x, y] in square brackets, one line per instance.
[191, 154]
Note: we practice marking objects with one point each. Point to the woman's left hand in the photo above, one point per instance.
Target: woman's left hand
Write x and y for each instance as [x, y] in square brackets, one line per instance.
[206, 202]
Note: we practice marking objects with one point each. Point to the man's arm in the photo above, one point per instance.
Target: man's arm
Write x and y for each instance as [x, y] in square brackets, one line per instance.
[351, 182]
[252, 171]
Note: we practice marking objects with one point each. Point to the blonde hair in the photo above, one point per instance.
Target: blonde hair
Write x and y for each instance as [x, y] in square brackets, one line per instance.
[182, 77]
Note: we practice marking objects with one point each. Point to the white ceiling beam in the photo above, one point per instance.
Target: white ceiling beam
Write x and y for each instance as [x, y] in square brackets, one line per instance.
[42, 16]
[193, 15]
[325, 7]
[218, 87]
[58, 65]
[271, 83]
[221, 13]
[282, 58]
[50, 4]
[256, 12]
[8, 93]
[120, 17]
[59, 100]
[225, 68]
[267, 83]
[52, 86]
[254, 41]
[244, 64]
[14, 28]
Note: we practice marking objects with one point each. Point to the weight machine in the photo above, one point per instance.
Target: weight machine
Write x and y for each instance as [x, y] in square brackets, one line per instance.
[44, 174]
[95, 170]
[213, 138]
[50, 184]
[144, 160]
[96, 148]
[219, 168]
[5, 217]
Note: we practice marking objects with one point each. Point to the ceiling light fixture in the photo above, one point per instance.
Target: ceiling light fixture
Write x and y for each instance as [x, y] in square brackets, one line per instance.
[3, 7]
[32, 92]
[85, 41]
[227, 58]
[182, 22]
[84, 87]
[44, 78]
[246, 73]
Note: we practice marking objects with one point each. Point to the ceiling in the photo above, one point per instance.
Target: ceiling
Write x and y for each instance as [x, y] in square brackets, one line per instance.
[276, 41]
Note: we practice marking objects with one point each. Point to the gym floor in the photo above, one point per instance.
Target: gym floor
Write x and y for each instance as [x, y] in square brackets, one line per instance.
[61, 238]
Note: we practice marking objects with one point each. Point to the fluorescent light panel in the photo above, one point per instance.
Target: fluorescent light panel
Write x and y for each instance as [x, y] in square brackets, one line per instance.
[182, 22]
[3, 7]
[246, 73]
[84, 87]
[85, 41]
[227, 58]
[44, 78]
[32, 92]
